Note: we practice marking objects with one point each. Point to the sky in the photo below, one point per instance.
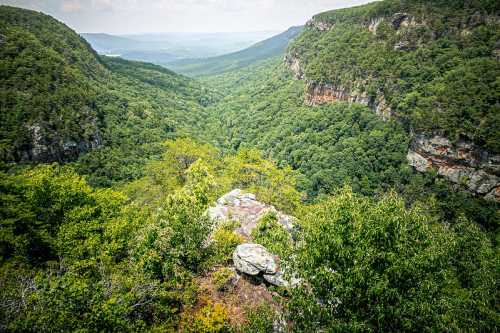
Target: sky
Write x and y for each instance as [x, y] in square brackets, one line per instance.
[146, 16]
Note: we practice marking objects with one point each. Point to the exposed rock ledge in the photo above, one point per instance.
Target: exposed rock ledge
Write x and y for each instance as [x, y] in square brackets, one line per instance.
[244, 208]
[249, 258]
[321, 93]
[462, 163]
[319, 25]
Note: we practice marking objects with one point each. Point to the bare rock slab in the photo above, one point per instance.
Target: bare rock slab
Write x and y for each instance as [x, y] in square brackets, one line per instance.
[253, 259]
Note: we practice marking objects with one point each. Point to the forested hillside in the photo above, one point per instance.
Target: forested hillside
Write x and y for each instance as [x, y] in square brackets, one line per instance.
[431, 65]
[60, 99]
[275, 197]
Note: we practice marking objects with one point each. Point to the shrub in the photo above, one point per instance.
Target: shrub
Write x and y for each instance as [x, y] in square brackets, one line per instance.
[273, 235]
[212, 318]
[375, 266]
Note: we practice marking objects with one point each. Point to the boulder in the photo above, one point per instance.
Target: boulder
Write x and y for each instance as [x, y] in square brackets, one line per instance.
[253, 259]
[279, 280]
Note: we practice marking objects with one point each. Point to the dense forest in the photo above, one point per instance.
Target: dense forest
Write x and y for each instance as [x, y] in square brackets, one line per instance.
[110, 171]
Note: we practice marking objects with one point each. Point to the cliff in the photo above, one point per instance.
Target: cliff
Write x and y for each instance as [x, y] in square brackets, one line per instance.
[399, 60]
[462, 163]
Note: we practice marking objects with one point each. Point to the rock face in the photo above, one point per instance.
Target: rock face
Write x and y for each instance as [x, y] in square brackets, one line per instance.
[324, 93]
[461, 163]
[253, 259]
[317, 94]
[319, 25]
[244, 208]
[250, 258]
[293, 62]
[58, 148]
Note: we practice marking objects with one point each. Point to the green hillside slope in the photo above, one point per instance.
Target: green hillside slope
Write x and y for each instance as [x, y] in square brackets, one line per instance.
[432, 64]
[263, 50]
[48, 91]
[59, 99]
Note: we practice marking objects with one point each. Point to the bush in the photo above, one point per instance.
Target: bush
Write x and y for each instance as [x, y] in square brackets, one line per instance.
[225, 241]
[212, 318]
[222, 278]
[273, 235]
[374, 266]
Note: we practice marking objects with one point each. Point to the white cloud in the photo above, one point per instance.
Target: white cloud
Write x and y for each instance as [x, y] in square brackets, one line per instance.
[129, 16]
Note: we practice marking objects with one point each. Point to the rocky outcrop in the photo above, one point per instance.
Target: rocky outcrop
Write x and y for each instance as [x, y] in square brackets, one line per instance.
[317, 94]
[250, 258]
[403, 20]
[57, 148]
[462, 163]
[254, 259]
[319, 25]
[374, 23]
[245, 209]
[293, 63]
[322, 93]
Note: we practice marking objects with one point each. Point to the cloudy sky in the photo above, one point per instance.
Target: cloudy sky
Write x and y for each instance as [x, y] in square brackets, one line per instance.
[135, 16]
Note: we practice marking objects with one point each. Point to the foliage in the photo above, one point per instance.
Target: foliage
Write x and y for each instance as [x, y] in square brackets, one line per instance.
[260, 320]
[222, 277]
[101, 261]
[77, 255]
[212, 318]
[273, 236]
[59, 100]
[330, 145]
[225, 241]
[385, 267]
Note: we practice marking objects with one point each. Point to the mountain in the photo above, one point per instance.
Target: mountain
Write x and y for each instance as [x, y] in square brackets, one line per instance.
[263, 50]
[60, 99]
[163, 48]
[276, 197]
[110, 44]
[432, 66]
[48, 89]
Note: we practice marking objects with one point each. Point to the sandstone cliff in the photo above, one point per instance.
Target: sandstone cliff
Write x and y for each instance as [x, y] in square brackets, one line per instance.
[462, 162]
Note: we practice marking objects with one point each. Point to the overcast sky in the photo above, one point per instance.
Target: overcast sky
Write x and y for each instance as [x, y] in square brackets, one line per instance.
[135, 16]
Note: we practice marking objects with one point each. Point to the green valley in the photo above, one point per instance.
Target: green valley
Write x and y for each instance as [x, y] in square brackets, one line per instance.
[343, 176]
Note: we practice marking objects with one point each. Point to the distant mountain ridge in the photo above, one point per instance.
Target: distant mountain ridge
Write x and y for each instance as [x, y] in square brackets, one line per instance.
[263, 50]
[163, 48]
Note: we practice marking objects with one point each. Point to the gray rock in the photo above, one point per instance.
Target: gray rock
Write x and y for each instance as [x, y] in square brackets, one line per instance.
[454, 174]
[279, 280]
[254, 259]
[494, 195]
[418, 161]
[481, 182]
[462, 163]
[404, 45]
[374, 23]
[400, 19]
[245, 209]
[276, 279]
